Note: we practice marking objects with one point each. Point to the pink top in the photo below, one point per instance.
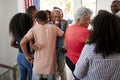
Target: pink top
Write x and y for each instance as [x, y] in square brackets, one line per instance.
[75, 39]
[45, 38]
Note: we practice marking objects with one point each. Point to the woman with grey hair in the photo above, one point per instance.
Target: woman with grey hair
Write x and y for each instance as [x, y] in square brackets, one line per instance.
[76, 36]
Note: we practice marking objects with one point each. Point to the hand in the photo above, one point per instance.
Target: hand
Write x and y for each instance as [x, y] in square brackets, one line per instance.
[36, 46]
[30, 59]
[57, 23]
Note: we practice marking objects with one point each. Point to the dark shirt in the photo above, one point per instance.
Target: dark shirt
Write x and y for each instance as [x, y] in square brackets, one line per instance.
[28, 45]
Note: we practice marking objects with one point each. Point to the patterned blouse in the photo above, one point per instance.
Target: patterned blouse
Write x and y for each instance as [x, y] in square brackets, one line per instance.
[91, 66]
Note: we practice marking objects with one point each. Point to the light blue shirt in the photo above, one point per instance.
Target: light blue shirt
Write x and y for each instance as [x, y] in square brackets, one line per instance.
[91, 66]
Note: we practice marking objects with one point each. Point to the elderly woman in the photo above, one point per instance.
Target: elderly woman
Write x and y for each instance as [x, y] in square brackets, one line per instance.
[76, 36]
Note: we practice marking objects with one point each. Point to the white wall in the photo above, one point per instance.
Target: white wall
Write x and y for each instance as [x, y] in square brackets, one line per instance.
[9, 8]
[20, 6]
[8, 55]
[104, 4]
[77, 3]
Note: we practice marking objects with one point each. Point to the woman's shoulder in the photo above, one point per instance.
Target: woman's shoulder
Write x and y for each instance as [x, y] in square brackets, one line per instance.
[89, 49]
[90, 45]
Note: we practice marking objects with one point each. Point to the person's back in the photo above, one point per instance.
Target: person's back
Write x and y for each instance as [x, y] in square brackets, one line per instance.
[75, 39]
[19, 25]
[44, 36]
[97, 68]
[76, 36]
[107, 69]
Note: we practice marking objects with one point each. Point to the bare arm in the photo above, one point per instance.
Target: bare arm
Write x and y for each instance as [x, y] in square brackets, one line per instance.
[67, 24]
[13, 43]
[23, 45]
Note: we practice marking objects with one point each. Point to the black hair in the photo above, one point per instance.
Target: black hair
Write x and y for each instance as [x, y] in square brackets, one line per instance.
[115, 1]
[101, 11]
[59, 9]
[20, 24]
[42, 15]
[106, 34]
[30, 9]
[49, 13]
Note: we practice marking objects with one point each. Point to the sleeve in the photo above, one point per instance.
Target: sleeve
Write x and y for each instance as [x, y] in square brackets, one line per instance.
[29, 34]
[81, 67]
[59, 32]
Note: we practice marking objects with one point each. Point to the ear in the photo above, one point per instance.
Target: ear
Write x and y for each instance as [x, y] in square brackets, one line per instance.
[37, 20]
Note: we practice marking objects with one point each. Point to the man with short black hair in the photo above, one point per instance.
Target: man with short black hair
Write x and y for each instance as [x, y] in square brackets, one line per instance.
[115, 7]
[32, 10]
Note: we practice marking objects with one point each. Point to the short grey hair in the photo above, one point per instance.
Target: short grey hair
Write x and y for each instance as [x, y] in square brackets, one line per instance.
[82, 12]
[56, 10]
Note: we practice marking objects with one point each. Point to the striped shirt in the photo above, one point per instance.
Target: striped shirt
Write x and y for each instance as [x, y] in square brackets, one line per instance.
[91, 66]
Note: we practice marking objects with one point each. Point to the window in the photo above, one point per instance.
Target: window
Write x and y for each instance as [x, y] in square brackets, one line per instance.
[65, 5]
[68, 6]
[90, 4]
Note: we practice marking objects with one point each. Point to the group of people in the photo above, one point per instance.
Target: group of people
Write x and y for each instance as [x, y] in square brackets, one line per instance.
[39, 35]
[100, 56]
[46, 43]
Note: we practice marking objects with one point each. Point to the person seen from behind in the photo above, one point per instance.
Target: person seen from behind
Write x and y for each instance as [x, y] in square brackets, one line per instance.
[18, 27]
[44, 35]
[100, 57]
[76, 36]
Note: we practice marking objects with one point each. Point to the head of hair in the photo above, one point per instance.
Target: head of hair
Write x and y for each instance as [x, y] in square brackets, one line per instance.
[49, 14]
[31, 9]
[82, 12]
[42, 16]
[106, 34]
[101, 11]
[116, 0]
[56, 10]
[59, 9]
[48, 11]
[20, 24]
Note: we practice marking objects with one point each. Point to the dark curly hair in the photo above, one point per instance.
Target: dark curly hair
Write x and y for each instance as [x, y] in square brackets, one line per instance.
[20, 24]
[106, 34]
